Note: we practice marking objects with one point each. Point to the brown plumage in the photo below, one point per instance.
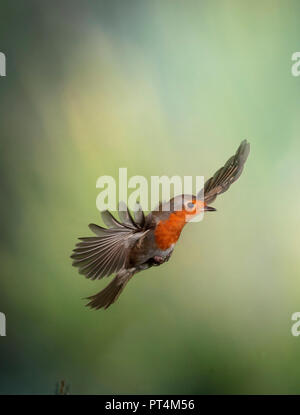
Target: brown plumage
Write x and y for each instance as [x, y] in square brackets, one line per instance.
[133, 244]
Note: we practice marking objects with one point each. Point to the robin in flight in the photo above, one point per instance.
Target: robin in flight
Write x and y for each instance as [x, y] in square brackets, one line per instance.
[135, 243]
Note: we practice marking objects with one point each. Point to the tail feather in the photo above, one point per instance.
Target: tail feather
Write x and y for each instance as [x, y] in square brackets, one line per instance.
[111, 293]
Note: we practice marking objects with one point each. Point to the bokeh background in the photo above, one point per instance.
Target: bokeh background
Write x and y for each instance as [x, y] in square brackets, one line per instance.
[159, 87]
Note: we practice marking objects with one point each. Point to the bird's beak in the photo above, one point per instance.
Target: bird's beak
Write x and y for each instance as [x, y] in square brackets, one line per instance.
[209, 209]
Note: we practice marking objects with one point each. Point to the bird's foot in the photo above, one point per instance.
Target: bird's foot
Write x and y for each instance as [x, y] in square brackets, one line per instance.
[158, 259]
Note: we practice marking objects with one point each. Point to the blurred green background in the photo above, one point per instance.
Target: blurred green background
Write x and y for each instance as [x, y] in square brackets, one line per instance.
[159, 87]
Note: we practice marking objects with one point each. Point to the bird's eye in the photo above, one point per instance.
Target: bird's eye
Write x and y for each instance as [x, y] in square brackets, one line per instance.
[190, 205]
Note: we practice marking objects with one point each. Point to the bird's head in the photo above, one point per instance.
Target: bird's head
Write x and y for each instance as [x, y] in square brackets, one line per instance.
[187, 206]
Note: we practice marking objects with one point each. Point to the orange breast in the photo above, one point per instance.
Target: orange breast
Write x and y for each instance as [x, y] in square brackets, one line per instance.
[168, 231]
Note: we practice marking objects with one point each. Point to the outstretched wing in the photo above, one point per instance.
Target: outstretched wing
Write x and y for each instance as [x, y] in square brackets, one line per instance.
[106, 253]
[226, 175]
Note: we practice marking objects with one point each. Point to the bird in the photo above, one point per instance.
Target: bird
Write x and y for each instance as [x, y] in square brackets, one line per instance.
[137, 241]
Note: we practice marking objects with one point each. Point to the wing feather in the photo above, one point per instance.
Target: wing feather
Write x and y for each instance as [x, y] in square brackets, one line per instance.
[139, 216]
[106, 253]
[226, 175]
[110, 221]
